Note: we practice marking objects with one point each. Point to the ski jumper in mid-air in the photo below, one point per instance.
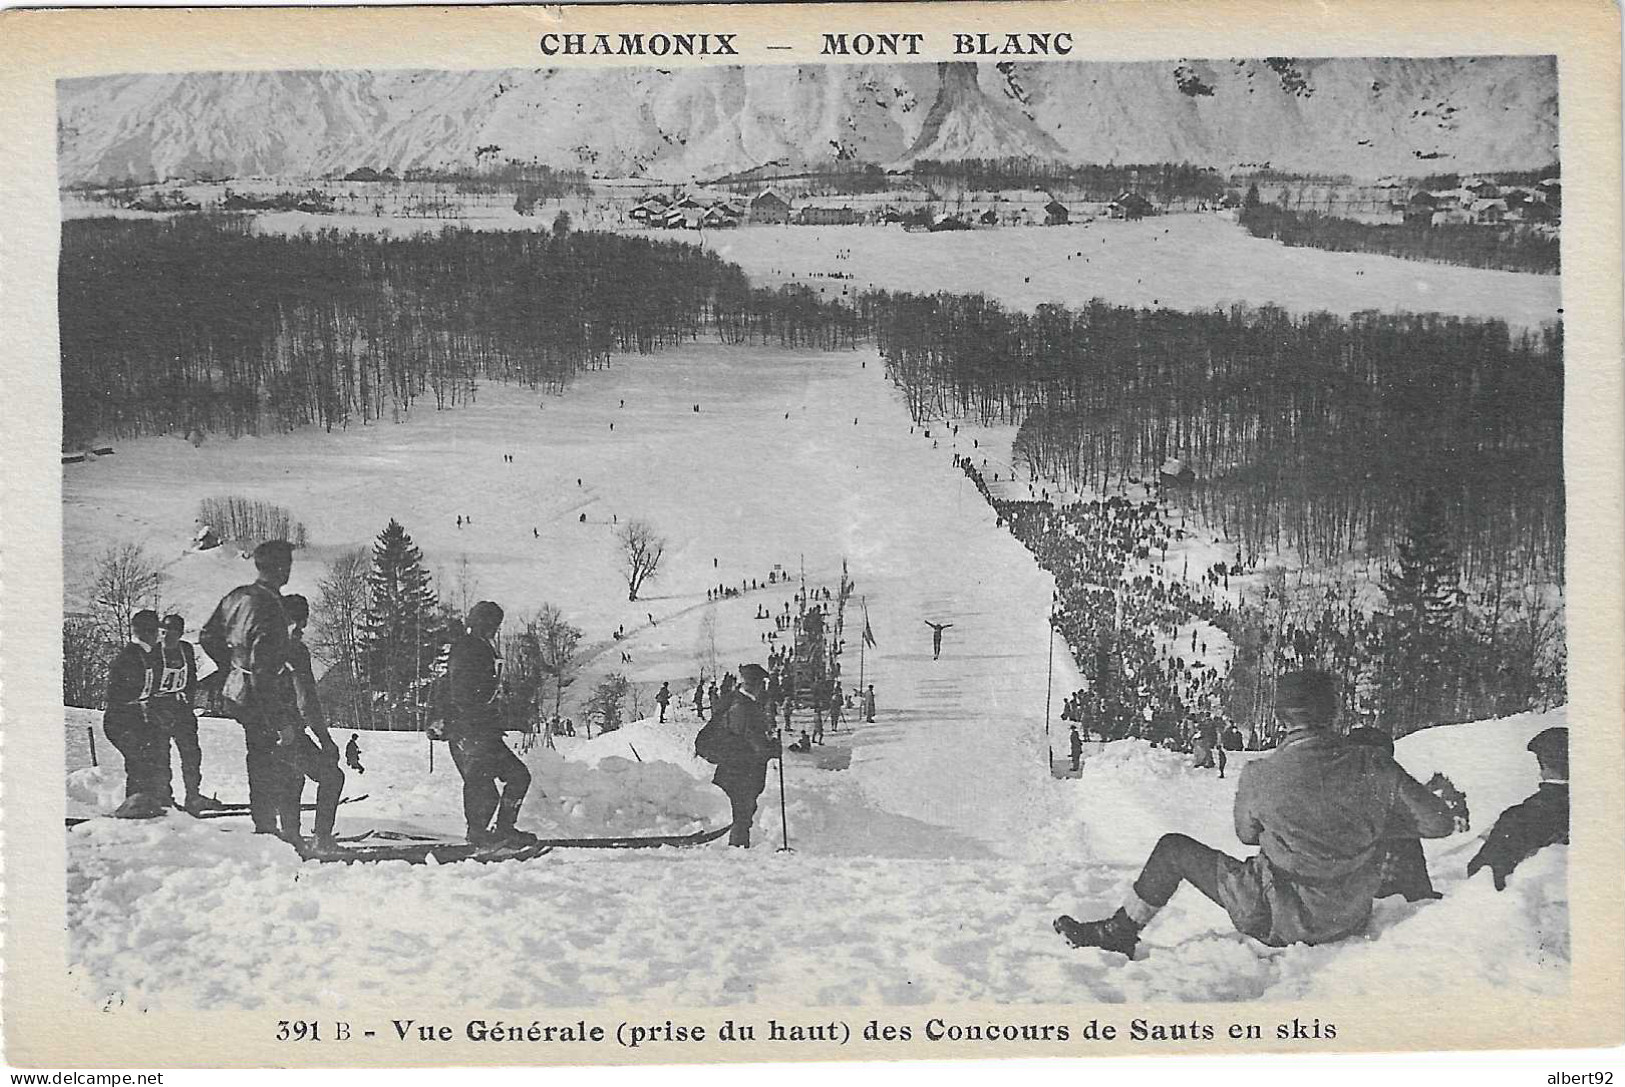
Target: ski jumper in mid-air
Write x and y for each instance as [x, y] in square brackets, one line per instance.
[936, 637]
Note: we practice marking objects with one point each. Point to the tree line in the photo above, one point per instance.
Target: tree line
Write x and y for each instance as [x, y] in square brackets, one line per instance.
[199, 324]
[1313, 432]
[1467, 244]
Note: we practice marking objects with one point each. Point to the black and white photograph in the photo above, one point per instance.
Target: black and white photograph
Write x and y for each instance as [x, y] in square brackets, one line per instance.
[865, 532]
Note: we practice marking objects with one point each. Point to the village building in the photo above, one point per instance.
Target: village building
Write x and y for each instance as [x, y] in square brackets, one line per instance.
[1056, 214]
[1130, 205]
[769, 207]
[812, 215]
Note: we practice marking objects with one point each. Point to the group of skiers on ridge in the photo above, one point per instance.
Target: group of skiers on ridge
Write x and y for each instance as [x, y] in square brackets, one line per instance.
[262, 674]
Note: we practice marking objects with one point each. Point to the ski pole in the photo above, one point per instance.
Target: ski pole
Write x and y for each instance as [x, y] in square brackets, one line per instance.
[784, 818]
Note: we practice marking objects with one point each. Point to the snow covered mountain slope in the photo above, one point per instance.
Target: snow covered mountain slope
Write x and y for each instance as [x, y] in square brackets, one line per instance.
[1362, 116]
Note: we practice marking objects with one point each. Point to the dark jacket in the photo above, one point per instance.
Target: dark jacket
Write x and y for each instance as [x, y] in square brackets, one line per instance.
[248, 630]
[1320, 808]
[475, 677]
[751, 744]
[1523, 830]
[131, 678]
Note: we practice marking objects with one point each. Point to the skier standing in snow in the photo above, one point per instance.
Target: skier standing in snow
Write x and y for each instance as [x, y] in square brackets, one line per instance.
[316, 759]
[936, 637]
[129, 724]
[1076, 745]
[1539, 821]
[247, 638]
[1319, 807]
[749, 745]
[474, 731]
[869, 704]
[699, 698]
[171, 706]
[663, 698]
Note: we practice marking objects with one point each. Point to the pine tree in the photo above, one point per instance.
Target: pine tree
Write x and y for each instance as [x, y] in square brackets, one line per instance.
[1424, 607]
[402, 633]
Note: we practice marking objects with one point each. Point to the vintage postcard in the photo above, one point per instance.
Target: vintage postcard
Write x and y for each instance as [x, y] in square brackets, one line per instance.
[583, 535]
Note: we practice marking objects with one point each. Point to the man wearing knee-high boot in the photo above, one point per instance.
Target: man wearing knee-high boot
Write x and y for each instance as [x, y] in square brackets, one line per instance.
[1319, 807]
[474, 730]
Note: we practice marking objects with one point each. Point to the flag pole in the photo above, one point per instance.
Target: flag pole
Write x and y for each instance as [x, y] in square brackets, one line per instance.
[1049, 683]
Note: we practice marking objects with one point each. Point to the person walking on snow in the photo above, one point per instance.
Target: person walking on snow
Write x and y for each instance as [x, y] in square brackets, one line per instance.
[475, 730]
[1318, 807]
[247, 638]
[316, 759]
[172, 707]
[129, 724]
[936, 637]
[662, 698]
[352, 755]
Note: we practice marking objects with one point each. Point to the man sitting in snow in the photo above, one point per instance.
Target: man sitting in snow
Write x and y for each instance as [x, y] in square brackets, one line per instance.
[1539, 821]
[1319, 807]
[1404, 867]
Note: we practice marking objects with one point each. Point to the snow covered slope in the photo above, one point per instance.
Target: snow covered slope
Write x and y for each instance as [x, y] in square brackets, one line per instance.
[929, 870]
[1365, 117]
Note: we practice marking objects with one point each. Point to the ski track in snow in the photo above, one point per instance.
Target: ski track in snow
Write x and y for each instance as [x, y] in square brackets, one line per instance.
[927, 872]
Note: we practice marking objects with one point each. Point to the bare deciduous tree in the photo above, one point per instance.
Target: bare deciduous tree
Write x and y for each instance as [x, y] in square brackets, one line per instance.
[127, 580]
[557, 639]
[643, 550]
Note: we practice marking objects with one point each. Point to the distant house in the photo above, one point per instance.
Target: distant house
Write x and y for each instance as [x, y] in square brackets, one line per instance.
[652, 210]
[990, 217]
[769, 207]
[719, 215]
[827, 216]
[1489, 211]
[1536, 212]
[681, 218]
[1130, 205]
[1452, 216]
[1482, 188]
[1056, 214]
[1550, 189]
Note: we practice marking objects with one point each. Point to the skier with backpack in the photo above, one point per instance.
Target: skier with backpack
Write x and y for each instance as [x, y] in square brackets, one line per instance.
[740, 741]
[247, 638]
[474, 728]
[663, 699]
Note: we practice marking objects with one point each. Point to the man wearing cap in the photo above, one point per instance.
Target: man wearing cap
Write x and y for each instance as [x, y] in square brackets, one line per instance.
[247, 638]
[1539, 821]
[318, 760]
[172, 704]
[1319, 807]
[750, 745]
[474, 730]
[130, 726]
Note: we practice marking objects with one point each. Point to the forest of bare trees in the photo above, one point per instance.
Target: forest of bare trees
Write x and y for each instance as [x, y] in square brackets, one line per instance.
[199, 324]
[1314, 432]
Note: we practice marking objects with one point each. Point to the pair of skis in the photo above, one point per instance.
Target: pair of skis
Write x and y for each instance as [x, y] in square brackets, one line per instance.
[396, 845]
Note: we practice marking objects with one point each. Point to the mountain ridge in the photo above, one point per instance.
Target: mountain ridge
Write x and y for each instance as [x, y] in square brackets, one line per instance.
[1366, 117]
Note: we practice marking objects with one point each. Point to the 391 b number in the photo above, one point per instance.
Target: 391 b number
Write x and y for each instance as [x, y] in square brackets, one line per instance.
[297, 1030]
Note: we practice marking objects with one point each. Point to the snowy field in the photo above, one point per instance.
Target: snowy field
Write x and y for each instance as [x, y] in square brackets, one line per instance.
[1184, 262]
[928, 871]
